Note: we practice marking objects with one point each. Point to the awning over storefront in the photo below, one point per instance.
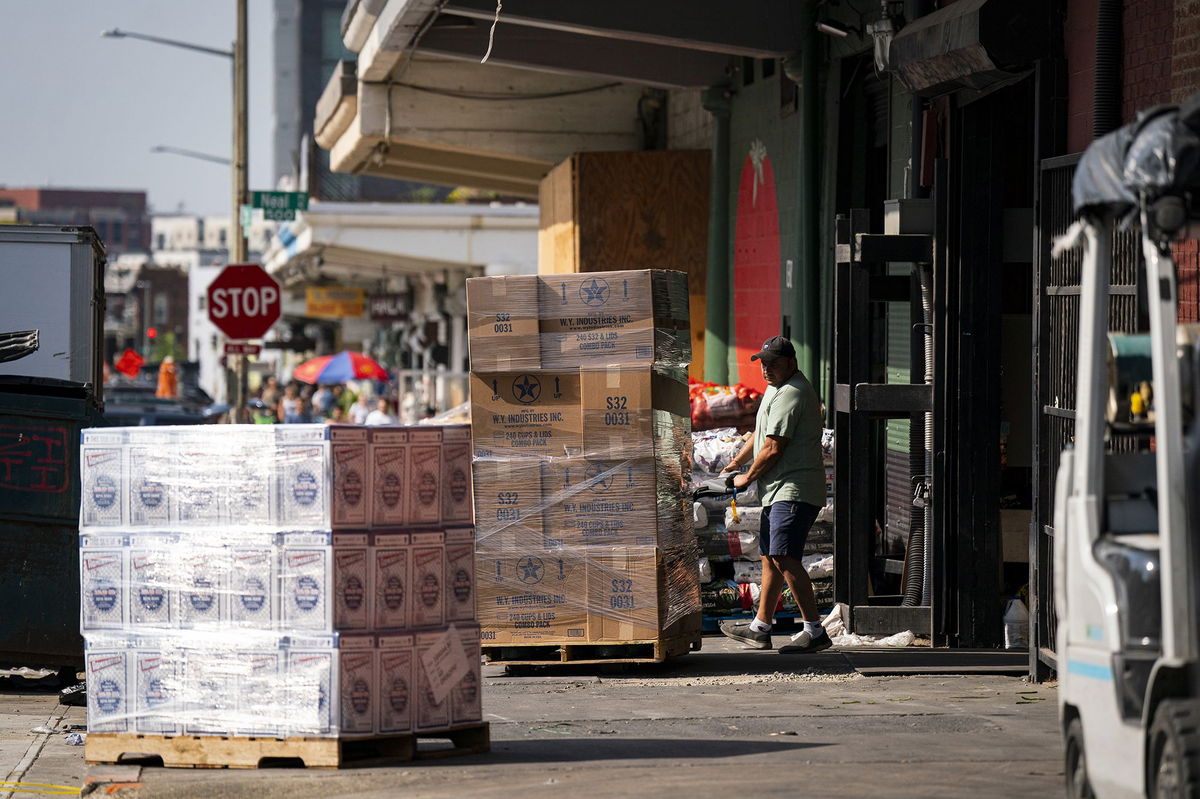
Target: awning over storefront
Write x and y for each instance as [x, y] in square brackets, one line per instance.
[561, 78]
[371, 241]
[971, 44]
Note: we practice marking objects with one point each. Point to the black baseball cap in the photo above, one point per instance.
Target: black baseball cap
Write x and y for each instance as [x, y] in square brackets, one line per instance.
[775, 347]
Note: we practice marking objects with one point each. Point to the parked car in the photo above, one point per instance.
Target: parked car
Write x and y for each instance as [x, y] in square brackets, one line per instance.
[130, 404]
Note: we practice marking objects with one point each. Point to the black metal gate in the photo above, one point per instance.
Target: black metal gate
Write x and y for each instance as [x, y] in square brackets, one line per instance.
[1055, 366]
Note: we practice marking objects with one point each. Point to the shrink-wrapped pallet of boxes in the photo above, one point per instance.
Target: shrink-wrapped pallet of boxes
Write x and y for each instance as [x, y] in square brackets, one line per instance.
[581, 439]
[241, 599]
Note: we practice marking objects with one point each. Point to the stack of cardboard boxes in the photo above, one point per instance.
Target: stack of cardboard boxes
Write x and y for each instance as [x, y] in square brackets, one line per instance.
[287, 581]
[581, 428]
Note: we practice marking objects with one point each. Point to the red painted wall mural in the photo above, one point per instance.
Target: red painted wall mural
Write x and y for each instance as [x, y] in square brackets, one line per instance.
[756, 256]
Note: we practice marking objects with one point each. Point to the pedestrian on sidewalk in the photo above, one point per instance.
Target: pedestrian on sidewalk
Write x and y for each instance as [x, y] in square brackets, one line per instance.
[785, 460]
[360, 410]
[381, 415]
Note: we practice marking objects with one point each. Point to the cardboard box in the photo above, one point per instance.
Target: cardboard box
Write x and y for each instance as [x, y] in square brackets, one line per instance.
[210, 696]
[351, 581]
[600, 502]
[306, 574]
[424, 475]
[624, 598]
[203, 592]
[254, 587]
[104, 583]
[351, 499]
[460, 575]
[466, 702]
[391, 555]
[102, 478]
[151, 478]
[623, 317]
[432, 711]
[107, 668]
[250, 490]
[508, 504]
[502, 323]
[397, 683]
[156, 699]
[153, 582]
[428, 576]
[311, 685]
[262, 693]
[531, 597]
[619, 410]
[302, 470]
[358, 685]
[456, 475]
[526, 413]
[388, 476]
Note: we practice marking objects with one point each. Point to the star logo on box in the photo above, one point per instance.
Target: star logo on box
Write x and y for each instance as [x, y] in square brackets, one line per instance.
[598, 478]
[526, 389]
[530, 570]
[595, 292]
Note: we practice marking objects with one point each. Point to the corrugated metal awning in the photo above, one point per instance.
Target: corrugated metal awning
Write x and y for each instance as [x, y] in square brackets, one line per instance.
[971, 44]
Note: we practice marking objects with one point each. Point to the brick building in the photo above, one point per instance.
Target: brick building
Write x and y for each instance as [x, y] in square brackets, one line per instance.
[119, 217]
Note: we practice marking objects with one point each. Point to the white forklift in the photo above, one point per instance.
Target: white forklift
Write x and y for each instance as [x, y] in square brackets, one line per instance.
[1127, 516]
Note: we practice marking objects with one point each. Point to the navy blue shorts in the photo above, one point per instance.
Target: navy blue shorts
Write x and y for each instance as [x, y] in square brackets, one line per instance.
[785, 527]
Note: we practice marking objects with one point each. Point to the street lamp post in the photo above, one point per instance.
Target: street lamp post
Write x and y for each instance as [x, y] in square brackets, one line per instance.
[215, 159]
[237, 56]
[238, 250]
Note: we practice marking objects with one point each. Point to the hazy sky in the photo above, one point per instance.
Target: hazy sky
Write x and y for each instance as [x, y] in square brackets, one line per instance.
[82, 111]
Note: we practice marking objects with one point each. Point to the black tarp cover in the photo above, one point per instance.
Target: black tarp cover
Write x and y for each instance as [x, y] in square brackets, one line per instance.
[1156, 154]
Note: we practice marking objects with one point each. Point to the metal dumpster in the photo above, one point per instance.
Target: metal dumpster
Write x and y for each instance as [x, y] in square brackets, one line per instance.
[40, 420]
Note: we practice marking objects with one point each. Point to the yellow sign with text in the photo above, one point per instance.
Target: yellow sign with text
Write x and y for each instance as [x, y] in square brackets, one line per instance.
[334, 302]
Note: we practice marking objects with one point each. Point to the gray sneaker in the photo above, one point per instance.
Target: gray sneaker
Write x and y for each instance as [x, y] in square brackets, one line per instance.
[740, 631]
[806, 643]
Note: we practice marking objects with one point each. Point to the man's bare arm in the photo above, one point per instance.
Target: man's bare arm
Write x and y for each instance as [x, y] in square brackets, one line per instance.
[772, 450]
[742, 458]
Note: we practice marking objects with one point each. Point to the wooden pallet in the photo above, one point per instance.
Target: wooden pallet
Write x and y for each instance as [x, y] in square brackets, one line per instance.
[211, 751]
[585, 653]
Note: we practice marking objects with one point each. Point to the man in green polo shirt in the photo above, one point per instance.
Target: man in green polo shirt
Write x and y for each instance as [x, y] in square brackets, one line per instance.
[785, 461]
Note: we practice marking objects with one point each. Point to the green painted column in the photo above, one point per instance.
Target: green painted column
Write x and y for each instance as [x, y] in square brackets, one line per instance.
[719, 291]
[808, 278]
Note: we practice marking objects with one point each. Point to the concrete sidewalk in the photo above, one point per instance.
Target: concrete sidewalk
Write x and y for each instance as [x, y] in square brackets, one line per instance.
[35, 758]
[722, 720]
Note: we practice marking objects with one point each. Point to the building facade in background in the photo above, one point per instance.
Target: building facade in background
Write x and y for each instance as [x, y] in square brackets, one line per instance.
[120, 218]
[307, 49]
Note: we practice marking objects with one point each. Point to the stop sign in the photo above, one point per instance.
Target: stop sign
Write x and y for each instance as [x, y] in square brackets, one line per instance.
[243, 301]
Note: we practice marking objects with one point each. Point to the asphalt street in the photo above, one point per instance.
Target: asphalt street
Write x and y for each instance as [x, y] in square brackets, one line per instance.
[721, 721]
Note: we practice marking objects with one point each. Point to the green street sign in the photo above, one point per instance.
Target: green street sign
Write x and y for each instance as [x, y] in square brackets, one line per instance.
[280, 201]
[279, 214]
